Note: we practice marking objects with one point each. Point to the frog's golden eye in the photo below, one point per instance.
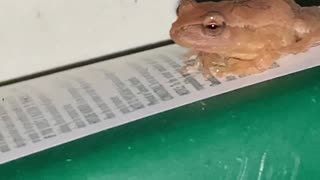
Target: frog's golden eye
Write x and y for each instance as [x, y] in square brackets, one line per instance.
[213, 29]
[213, 24]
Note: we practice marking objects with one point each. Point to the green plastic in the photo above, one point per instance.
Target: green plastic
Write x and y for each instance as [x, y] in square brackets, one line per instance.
[267, 131]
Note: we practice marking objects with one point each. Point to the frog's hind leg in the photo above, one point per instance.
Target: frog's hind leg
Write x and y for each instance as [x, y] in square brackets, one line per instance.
[248, 67]
[303, 45]
[310, 39]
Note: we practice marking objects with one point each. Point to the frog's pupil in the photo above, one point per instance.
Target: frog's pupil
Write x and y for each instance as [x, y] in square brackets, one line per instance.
[212, 26]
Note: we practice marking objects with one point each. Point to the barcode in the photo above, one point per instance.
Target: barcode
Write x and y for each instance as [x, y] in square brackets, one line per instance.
[158, 88]
[92, 118]
[97, 99]
[135, 82]
[214, 81]
[188, 79]
[23, 118]
[178, 87]
[86, 110]
[51, 108]
[3, 145]
[231, 78]
[36, 115]
[11, 128]
[120, 105]
[75, 116]
[125, 92]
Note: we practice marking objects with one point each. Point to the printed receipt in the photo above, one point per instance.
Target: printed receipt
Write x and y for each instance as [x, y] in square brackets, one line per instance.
[42, 113]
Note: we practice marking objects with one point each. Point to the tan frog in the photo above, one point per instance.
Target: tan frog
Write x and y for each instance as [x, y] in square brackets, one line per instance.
[244, 37]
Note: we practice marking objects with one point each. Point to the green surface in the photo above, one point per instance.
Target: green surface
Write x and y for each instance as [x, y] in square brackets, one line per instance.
[271, 129]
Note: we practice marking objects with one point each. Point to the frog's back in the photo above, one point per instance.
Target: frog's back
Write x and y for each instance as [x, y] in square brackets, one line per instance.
[311, 15]
[262, 13]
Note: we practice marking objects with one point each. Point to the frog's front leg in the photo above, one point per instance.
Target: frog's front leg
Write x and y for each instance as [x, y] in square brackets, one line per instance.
[209, 62]
[204, 63]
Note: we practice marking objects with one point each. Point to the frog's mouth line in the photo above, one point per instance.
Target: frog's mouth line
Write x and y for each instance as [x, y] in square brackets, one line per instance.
[186, 27]
[188, 30]
[193, 37]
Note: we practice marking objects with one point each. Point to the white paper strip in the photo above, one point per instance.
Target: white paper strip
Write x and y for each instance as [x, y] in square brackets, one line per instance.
[41, 113]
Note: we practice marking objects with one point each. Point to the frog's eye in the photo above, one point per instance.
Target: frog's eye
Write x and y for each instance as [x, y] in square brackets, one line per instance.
[213, 24]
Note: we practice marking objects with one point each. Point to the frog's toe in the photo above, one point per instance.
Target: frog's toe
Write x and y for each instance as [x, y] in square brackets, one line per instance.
[207, 72]
[185, 70]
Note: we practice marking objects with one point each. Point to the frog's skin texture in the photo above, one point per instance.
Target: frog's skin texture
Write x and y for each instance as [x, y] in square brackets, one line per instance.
[244, 37]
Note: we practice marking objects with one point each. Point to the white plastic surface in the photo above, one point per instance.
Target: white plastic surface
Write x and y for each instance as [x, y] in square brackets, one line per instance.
[37, 35]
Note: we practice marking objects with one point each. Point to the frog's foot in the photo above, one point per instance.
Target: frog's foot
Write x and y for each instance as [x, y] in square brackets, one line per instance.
[190, 68]
[191, 63]
[298, 48]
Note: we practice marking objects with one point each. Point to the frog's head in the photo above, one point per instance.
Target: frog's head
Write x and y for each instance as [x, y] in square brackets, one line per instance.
[220, 26]
[200, 25]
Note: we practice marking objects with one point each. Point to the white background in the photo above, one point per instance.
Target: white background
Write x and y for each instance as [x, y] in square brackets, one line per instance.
[37, 35]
